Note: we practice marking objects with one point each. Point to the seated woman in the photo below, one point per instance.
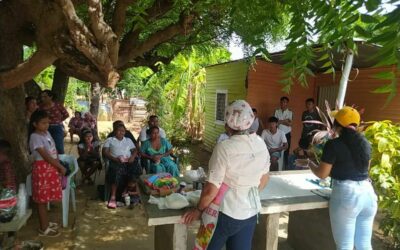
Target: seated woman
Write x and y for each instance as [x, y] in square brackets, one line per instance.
[122, 153]
[75, 125]
[158, 150]
[89, 156]
[89, 122]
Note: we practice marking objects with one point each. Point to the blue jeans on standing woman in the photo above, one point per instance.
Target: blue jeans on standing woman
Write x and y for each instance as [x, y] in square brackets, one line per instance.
[236, 234]
[352, 208]
[57, 132]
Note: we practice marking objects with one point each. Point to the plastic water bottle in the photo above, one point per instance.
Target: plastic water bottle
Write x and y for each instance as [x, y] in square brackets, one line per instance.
[22, 200]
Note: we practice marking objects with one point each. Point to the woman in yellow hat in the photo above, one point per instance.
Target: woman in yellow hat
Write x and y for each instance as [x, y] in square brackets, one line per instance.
[353, 202]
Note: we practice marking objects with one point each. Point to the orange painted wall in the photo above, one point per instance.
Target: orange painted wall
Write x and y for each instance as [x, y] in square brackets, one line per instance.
[264, 92]
[359, 93]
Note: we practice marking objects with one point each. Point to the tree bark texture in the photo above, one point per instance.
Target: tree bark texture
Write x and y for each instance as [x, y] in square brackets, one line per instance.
[95, 91]
[13, 126]
[32, 89]
[91, 50]
[60, 85]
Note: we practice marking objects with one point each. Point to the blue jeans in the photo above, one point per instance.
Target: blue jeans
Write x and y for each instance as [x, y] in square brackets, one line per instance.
[352, 208]
[237, 234]
[57, 132]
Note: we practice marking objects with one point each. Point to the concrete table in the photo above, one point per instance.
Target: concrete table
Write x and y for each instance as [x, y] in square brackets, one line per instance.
[286, 191]
[291, 191]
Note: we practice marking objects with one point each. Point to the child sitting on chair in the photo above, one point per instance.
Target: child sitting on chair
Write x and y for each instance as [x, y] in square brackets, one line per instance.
[89, 156]
[131, 193]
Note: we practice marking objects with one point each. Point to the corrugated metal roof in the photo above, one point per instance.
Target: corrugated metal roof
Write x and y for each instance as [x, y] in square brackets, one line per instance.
[361, 60]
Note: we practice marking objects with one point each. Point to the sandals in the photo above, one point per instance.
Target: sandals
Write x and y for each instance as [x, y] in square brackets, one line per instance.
[112, 204]
[53, 225]
[49, 232]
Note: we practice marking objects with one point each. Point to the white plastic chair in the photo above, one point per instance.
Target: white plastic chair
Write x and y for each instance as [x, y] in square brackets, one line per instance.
[67, 192]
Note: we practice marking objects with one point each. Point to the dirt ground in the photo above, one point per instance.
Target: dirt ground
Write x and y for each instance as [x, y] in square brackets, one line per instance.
[93, 226]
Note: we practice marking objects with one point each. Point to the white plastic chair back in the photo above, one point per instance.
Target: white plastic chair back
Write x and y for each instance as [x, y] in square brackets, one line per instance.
[68, 191]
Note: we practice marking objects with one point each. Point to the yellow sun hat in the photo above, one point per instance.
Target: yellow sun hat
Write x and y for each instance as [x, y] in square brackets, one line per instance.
[346, 116]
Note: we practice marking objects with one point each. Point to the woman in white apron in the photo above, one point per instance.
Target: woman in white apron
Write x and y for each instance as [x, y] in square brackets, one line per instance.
[242, 163]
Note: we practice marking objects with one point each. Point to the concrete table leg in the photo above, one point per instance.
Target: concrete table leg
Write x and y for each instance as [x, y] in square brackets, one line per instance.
[170, 237]
[266, 233]
[311, 230]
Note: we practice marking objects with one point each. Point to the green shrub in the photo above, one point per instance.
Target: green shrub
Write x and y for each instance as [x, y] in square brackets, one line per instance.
[385, 173]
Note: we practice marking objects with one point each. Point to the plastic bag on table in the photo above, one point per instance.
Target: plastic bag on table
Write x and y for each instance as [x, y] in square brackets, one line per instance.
[193, 197]
[176, 201]
[195, 175]
[8, 205]
[153, 200]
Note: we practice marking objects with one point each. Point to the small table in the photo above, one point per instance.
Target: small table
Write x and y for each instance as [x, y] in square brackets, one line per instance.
[11, 228]
[287, 191]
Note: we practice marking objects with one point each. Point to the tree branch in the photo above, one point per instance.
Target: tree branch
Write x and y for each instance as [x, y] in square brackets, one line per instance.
[183, 27]
[26, 70]
[86, 42]
[147, 61]
[159, 8]
[119, 16]
[78, 70]
[102, 31]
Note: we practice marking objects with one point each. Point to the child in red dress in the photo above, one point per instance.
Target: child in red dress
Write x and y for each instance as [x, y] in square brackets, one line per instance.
[46, 171]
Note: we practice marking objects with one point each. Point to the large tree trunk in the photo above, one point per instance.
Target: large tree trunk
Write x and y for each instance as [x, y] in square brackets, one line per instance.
[12, 106]
[32, 88]
[95, 91]
[60, 85]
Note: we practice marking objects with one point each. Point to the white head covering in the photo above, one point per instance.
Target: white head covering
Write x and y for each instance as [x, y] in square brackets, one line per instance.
[239, 115]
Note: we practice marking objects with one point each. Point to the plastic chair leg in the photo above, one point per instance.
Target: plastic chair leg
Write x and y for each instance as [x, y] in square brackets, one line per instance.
[65, 206]
[73, 199]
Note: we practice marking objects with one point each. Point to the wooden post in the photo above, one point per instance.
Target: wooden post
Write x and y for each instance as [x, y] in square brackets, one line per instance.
[170, 237]
[266, 233]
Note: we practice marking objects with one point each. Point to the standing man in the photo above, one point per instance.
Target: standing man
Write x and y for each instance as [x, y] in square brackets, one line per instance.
[285, 118]
[257, 126]
[310, 114]
[153, 122]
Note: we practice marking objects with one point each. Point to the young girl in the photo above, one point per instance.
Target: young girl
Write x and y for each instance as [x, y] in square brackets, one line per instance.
[89, 157]
[46, 171]
[121, 152]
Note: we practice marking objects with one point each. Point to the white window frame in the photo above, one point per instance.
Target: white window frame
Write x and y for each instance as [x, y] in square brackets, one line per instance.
[220, 91]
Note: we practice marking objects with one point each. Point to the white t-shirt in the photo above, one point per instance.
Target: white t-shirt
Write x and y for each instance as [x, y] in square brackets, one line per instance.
[119, 147]
[239, 162]
[273, 140]
[254, 126]
[143, 136]
[222, 137]
[283, 115]
[42, 141]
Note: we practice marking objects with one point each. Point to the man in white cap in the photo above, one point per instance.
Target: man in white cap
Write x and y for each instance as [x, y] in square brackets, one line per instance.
[242, 163]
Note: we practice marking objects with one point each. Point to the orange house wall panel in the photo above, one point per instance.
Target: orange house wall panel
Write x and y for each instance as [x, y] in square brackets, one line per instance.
[264, 92]
[359, 93]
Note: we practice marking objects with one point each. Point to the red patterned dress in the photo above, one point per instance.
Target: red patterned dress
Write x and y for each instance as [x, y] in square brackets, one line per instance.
[46, 181]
